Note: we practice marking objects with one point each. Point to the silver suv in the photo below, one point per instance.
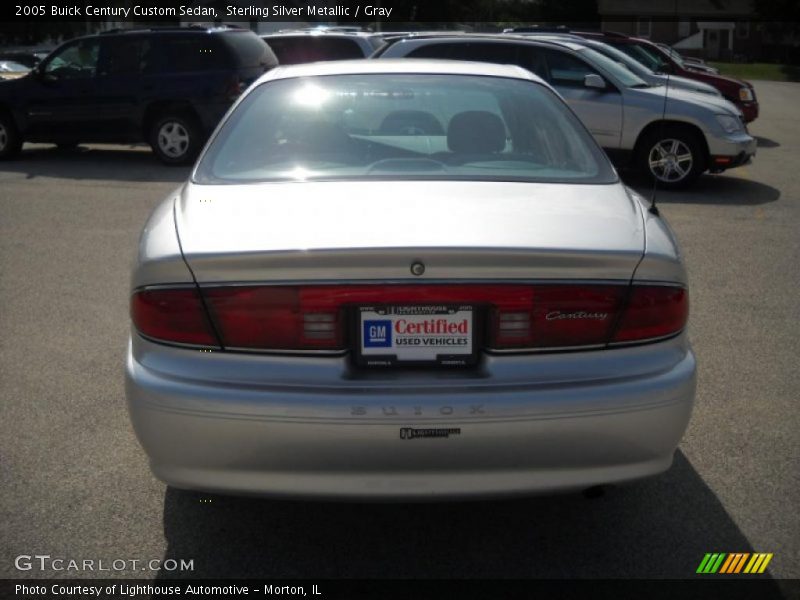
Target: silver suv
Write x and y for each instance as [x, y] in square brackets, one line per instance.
[638, 69]
[671, 135]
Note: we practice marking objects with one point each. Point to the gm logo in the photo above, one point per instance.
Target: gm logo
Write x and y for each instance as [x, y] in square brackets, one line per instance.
[377, 334]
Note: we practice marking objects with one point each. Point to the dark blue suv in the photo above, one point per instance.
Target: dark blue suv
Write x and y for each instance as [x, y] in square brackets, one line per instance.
[168, 87]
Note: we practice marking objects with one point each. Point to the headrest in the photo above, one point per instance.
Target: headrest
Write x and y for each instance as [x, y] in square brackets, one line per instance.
[476, 132]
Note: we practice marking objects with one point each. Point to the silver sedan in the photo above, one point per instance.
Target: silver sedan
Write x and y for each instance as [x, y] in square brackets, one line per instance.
[406, 279]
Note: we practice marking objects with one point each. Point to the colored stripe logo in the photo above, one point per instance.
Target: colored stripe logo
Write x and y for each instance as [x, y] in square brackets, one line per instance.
[733, 563]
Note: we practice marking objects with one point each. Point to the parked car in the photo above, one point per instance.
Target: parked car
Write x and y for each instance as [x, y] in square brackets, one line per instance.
[168, 87]
[406, 279]
[30, 57]
[672, 137]
[12, 70]
[691, 62]
[295, 47]
[634, 66]
[740, 92]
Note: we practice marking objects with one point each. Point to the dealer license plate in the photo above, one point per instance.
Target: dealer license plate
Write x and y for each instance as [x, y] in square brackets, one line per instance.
[416, 335]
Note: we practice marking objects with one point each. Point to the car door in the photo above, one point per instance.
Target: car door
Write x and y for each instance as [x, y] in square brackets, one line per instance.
[601, 110]
[118, 86]
[62, 100]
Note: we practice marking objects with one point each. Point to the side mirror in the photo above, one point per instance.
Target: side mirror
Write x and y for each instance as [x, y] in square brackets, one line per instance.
[594, 82]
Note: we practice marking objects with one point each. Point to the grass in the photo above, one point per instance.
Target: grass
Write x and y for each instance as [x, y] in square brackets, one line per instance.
[769, 71]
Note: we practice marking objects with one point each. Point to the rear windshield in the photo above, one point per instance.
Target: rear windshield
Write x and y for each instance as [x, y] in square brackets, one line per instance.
[249, 50]
[308, 48]
[399, 126]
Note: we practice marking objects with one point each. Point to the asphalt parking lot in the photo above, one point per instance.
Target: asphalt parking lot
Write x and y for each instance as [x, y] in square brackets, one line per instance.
[75, 483]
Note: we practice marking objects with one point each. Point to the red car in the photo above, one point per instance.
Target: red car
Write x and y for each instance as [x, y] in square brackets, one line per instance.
[741, 93]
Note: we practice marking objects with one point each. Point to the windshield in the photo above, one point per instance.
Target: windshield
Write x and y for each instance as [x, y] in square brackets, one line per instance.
[613, 68]
[674, 54]
[636, 53]
[399, 126]
[292, 50]
[634, 66]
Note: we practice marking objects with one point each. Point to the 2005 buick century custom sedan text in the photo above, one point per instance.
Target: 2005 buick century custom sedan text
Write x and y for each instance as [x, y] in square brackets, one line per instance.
[406, 279]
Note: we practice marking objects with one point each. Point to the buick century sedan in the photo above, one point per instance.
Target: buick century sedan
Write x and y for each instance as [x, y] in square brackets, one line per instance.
[406, 279]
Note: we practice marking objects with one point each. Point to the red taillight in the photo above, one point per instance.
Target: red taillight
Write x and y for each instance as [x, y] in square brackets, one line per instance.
[275, 317]
[563, 316]
[315, 317]
[172, 316]
[653, 312]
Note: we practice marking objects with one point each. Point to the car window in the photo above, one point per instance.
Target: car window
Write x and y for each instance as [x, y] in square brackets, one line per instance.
[188, 53]
[492, 52]
[123, 55]
[403, 126]
[565, 69]
[533, 58]
[76, 61]
[292, 50]
[623, 75]
[652, 62]
[249, 50]
[614, 54]
[432, 51]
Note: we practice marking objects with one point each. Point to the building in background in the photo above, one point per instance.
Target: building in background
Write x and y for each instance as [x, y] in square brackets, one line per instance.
[726, 30]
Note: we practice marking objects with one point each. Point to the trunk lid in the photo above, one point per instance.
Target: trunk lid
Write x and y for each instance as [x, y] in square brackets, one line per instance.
[362, 231]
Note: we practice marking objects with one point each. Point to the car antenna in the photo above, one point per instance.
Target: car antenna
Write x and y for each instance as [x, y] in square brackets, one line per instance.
[653, 210]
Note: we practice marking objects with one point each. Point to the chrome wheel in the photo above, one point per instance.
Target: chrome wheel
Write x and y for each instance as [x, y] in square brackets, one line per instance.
[173, 139]
[670, 160]
[3, 137]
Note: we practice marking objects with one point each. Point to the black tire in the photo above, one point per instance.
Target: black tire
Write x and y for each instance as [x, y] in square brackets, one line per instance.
[672, 156]
[67, 146]
[10, 139]
[176, 139]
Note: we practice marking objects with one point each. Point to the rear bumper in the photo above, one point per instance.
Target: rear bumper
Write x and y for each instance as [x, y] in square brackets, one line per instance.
[343, 440]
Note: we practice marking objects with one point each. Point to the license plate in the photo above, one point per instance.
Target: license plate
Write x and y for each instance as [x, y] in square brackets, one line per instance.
[416, 335]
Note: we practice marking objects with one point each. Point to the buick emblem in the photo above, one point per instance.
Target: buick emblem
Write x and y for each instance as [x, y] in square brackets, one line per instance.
[417, 268]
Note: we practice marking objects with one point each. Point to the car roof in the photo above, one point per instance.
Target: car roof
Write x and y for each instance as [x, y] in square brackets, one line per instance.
[323, 33]
[491, 37]
[400, 65]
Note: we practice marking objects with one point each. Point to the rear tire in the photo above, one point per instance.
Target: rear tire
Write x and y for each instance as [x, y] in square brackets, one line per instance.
[672, 156]
[175, 139]
[10, 139]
